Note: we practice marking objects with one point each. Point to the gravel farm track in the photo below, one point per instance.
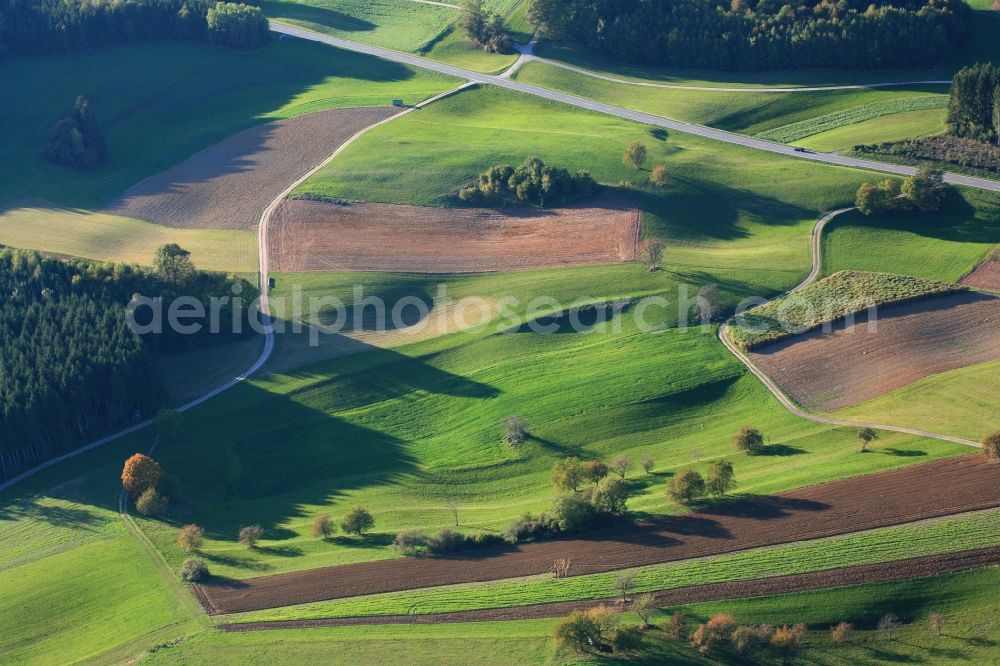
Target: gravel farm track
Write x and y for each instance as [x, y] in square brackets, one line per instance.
[852, 363]
[944, 487]
[863, 574]
[320, 236]
[228, 184]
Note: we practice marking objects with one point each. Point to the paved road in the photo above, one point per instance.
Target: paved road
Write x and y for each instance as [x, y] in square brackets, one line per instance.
[636, 116]
[772, 386]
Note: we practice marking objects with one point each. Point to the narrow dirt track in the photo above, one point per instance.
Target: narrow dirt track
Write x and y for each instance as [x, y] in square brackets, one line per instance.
[940, 488]
[864, 574]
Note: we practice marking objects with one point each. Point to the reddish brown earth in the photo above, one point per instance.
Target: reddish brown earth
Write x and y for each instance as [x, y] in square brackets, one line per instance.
[851, 364]
[757, 587]
[986, 276]
[321, 236]
[228, 184]
[930, 490]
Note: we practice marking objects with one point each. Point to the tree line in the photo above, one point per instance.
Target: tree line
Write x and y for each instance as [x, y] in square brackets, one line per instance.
[974, 107]
[55, 26]
[759, 34]
[71, 368]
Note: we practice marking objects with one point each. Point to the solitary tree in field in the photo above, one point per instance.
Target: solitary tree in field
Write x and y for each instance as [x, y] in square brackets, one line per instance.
[581, 631]
[708, 303]
[647, 464]
[568, 474]
[686, 486]
[841, 632]
[991, 445]
[644, 606]
[937, 623]
[749, 440]
[452, 505]
[888, 625]
[635, 155]
[658, 176]
[515, 431]
[190, 538]
[357, 521]
[651, 253]
[140, 473]
[624, 585]
[721, 478]
[249, 536]
[173, 263]
[676, 626]
[194, 570]
[323, 527]
[865, 436]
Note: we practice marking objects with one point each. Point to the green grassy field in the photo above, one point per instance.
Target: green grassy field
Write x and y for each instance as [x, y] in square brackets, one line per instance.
[81, 233]
[744, 112]
[158, 114]
[941, 246]
[957, 401]
[401, 25]
[885, 545]
[895, 127]
[829, 299]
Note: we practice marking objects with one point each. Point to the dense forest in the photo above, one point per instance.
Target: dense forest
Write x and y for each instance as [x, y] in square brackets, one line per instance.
[71, 368]
[759, 34]
[974, 107]
[30, 27]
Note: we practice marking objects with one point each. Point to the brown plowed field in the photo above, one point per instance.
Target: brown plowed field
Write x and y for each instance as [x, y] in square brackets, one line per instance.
[756, 587]
[930, 490]
[848, 365]
[986, 276]
[228, 184]
[321, 236]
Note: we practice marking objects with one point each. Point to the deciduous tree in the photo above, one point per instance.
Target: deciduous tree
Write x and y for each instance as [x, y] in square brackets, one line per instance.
[140, 473]
[323, 527]
[686, 486]
[721, 478]
[357, 521]
[249, 536]
[635, 155]
[749, 440]
[190, 538]
[568, 473]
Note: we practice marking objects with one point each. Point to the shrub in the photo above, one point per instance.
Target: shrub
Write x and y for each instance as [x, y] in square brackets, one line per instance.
[676, 627]
[926, 190]
[841, 632]
[527, 528]
[991, 445]
[515, 431]
[712, 635]
[323, 527]
[151, 502]
[357, 521]
[627, 639]
[937, 623]
[888, 625]
[721, 478]
[658, 176]
[569, 513]
[483, 28]
[140, 473]
[789, 640]
[445, 541]
[647, 464]
[194, 570]
[409, 542]
[748, 640]
[686, 486]
[237, 25]
[249, 536]
[635, 155]
[749, 440]
[610, 496]
[190, 538]
[581, 631]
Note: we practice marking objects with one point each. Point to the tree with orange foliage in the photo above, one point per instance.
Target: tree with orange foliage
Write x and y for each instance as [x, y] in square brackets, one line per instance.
[140, 474]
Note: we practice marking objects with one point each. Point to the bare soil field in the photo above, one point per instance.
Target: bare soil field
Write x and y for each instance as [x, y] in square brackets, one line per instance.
[321, 236]
[863, 574]
[227, 185]
[851, 364]
[940, 488]
[986, 276]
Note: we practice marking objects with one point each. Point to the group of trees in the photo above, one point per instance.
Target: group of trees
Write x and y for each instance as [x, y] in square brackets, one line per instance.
[72, 367]
[483, 28]
[925, 191]
[974, 107]
[53, 26]
[77, 140]
[759, 34]
[635, 157]
[688, 486]
[144, 480]
[533, 182]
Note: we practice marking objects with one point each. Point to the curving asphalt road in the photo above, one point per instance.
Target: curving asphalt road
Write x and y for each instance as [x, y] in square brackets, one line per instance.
[772, 386]
[636, 116]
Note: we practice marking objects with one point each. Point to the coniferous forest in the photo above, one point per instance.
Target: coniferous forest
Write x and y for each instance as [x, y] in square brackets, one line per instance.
[71, 368]
[759, 34]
